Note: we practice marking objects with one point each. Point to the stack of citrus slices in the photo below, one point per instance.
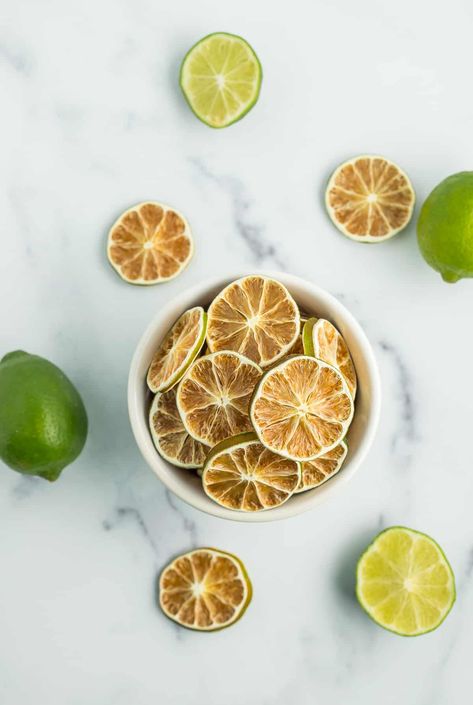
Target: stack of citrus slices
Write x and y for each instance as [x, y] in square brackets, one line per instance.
[263, 412]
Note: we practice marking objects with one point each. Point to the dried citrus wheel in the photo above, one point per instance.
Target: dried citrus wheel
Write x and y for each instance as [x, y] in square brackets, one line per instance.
[255, 316]
[369, 199]
[205, 589]
[149, 244]
[214, 396]
[321, 339]
[301, 408]
[179, 348]
[315, 472]
[170, 437]
[240, 473]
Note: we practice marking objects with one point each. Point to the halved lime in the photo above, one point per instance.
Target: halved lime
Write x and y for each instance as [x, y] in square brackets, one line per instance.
[221, 78]
[404, 582]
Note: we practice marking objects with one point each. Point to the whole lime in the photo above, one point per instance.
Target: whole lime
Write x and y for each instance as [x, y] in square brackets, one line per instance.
[43, 423]
[445, 227]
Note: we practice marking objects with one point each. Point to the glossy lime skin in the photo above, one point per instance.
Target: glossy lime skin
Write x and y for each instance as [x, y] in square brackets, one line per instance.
[445, 227]
[43, 422]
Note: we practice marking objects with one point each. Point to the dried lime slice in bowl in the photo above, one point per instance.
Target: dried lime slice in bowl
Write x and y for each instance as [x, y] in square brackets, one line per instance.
[241, 474]
[404, 582]
[170, 438]
[221, 78]
[177, 350]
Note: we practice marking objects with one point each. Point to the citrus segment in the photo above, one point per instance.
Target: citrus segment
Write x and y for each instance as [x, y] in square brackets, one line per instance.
[315, 472]
[404, 582]
[302, 408]
[170, 437]
[179, 348]
[214, 396]
[205, 589]
[221, 78]
[328, 345]
[241, 474]
[150, 243]
[369, 198]
[255, 316]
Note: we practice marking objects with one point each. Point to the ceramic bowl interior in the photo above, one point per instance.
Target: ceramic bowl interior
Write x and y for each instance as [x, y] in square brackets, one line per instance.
[185, 483]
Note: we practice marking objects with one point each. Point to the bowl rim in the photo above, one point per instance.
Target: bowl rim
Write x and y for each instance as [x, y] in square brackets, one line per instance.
[200, 501]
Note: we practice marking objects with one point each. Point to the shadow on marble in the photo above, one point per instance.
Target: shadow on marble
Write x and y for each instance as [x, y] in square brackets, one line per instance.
[345, 566]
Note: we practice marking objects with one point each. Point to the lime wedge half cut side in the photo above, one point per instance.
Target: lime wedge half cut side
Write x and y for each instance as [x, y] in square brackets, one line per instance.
[221, 78]
[404, 582]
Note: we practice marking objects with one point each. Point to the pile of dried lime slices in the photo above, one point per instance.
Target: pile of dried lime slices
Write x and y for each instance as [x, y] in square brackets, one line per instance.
[263, 413]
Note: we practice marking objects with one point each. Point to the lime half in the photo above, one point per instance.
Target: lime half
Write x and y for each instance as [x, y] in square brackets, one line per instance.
[404, 582]
[221, 78]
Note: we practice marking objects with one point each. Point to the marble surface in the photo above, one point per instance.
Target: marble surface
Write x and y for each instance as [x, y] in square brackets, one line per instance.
[92, 121]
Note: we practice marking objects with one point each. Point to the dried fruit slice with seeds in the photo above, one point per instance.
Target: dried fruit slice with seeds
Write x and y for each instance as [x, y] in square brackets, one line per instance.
[170, 437]
[404, 582]
[177, 351]
[241, 474]
[315, 472]
[301, 408]
[150, 243]
[205, 589]
[369, 199]
[255, 316]
[321, 339]
[214, 396]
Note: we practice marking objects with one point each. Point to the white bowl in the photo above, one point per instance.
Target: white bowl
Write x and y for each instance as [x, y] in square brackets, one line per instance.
[311, 298]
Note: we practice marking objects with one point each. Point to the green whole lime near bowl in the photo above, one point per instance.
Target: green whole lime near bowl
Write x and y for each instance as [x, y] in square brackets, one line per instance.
[43, 422]
[445, 227]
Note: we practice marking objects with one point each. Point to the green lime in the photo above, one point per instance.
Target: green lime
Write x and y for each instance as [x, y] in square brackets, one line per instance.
[43, 423]
[221, 78]
[445, 227]
[404, 582]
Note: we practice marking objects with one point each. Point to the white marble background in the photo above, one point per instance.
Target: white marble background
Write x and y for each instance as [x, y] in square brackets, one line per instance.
[92, 121]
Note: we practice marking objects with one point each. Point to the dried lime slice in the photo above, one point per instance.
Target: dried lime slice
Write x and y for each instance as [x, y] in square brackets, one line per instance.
[170, 437]
[178, 350]
[241, 474]
[205, 589]
[150, 243]
[369, 198]
[315, 472]
[321, 339]
[214, 396]
[301, 408]
[255, 316]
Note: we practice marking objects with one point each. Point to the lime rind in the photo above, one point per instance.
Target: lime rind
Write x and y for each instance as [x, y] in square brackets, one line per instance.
[307, 337]
[249, 105]
[446, 563]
